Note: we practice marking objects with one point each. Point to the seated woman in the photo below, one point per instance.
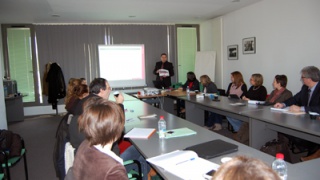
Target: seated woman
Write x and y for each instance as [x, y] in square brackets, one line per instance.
[256, 92]
[214, 120]
[70, 91]
[242, 168]
[79, 92]
[237, 85]
[280, 93]
[193, 84]
[102, 122]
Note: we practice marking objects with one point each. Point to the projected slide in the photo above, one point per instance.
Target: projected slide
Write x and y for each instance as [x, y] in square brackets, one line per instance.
[122, 65]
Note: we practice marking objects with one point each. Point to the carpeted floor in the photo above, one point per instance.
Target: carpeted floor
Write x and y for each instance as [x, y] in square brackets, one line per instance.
[39, 136]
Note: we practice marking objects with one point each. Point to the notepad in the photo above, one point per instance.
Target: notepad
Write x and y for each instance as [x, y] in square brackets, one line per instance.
[180, 132]
[140, 133]
[213, 148]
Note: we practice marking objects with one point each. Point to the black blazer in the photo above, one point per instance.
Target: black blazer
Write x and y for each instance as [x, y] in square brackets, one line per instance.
[301, 99]
[166, 82]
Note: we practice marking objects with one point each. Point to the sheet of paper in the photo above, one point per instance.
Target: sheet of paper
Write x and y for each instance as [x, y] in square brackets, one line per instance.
[163, 72]
[238, 104]
[286, 110]
[280, 109]
[133, 120]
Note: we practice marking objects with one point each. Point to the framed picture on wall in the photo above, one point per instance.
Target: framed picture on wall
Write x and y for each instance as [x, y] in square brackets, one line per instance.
[249, 45]
[232, 51]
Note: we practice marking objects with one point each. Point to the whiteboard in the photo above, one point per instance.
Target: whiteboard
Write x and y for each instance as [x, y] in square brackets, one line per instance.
[205, 63]
[122, 65]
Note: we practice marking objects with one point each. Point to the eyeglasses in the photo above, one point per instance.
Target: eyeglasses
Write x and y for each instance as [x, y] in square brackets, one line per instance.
[302, 77]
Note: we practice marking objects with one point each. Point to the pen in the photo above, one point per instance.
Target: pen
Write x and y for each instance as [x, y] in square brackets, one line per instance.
[185, 161]
[130, 119]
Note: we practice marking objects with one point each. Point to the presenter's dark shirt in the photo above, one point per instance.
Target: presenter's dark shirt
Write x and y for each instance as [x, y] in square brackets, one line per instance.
[165, 81]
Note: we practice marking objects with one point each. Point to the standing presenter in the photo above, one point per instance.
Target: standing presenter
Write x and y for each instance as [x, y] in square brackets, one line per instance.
[164, 71]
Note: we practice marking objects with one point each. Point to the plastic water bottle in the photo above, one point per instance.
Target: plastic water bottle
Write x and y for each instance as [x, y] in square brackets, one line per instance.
[162, 127]
[280, 166]
[188, 90]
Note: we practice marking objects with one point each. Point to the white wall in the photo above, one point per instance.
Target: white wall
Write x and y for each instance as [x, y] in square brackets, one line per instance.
[287, 39]
[211, 40]
[3, 117]
[41, 110]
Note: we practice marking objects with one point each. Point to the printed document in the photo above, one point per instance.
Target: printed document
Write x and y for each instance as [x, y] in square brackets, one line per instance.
[164, 72]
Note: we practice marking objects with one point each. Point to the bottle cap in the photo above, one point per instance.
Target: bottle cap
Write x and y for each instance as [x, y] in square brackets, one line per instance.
[279, 156]
[161, 117]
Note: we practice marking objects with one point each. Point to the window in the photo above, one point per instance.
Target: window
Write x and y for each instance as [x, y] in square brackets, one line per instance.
[19, 60]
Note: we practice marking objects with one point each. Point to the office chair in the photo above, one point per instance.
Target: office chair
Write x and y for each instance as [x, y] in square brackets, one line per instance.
[134, 175]
[11, 161]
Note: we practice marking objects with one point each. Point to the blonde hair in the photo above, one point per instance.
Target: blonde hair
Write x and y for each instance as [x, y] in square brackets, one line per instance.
[205, 79]
[258, 79]
[243, 168]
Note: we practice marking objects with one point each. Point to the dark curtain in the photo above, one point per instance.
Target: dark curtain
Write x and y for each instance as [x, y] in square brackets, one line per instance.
[74, 47]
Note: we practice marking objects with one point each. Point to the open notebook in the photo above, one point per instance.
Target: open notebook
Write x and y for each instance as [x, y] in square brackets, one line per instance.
[213, 148]
[184, 164]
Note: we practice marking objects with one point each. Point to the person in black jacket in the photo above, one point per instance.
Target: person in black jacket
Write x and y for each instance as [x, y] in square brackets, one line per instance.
[307, 100]
[192, 82]
[164, 81]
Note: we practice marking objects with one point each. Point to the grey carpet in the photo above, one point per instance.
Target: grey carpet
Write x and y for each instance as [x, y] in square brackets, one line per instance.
[39, 136]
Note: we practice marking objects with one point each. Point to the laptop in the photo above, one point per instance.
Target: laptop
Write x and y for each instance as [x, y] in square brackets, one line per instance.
[215, 148]
[233, 96]
[157, 84]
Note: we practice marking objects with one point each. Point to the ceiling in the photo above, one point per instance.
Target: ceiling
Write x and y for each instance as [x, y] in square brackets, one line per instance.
[116, 11]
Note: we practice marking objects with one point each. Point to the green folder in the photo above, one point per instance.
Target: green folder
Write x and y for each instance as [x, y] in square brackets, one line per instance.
[180, 132]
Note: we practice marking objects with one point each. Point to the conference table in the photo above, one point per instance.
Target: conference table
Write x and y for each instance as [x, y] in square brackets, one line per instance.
[154, 146]
[264, 123]
[196, 105]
